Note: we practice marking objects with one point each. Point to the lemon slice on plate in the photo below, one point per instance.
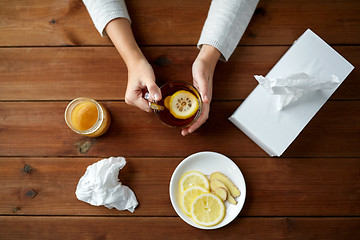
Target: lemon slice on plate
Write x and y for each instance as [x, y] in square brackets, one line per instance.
[183, 104]
[193, 178]
[207, 210]
[188, 197]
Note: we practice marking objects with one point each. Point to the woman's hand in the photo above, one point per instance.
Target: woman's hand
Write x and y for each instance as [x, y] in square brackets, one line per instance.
[141, 76]
[203, 71]
[141, 79]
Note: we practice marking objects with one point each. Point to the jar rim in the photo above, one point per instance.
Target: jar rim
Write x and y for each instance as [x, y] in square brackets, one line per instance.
[70, 107]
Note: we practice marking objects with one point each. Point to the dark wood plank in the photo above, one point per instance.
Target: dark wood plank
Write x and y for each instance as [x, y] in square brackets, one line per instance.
[284, 21]
[39, 23]
[174, 228]
[99, 72]
[38, 129]
[275, 187]
[59, 22]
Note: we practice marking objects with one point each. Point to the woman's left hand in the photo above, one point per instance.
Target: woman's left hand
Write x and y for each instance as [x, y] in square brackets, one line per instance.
[203, 71]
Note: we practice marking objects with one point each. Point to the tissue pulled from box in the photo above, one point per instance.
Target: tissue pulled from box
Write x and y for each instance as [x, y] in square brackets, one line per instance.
[100, 185]
[290, 89]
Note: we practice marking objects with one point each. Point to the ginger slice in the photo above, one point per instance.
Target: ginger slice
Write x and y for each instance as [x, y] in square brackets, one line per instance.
[221, 193]
[234, 191]
[216, 184]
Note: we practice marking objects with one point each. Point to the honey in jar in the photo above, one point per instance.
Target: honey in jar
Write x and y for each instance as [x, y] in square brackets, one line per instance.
[87, 117]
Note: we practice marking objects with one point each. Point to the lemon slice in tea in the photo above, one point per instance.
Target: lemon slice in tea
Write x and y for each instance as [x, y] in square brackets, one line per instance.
[167, 102]
[183, 104]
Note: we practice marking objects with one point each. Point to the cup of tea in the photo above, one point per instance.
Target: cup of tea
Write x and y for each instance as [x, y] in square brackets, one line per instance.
[180, 106]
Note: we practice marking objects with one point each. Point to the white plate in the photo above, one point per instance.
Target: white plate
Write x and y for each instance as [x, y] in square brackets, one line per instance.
[207, 163]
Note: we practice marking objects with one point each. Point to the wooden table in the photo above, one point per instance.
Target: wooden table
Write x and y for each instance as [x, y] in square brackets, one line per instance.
[50, 53]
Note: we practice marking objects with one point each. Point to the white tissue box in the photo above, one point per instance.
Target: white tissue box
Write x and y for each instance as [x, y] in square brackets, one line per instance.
[259, 117]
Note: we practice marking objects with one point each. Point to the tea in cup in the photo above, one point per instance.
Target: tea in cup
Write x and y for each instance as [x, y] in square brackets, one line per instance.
[180, 106]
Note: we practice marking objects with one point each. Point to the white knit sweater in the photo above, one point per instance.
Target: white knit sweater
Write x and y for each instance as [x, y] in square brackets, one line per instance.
[225, 24]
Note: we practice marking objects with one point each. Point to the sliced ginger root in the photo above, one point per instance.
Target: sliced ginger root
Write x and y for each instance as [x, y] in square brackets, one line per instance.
[216, 184]
[234, 191]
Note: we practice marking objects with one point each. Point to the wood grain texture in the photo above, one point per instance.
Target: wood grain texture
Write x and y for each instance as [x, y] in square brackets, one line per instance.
[38, 129]
[161, 22]
[174, 228]
[275, 187]
[51, 53]
[98, 72]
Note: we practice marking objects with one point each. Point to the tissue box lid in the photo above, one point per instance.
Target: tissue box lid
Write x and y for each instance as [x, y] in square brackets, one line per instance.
[258, 116]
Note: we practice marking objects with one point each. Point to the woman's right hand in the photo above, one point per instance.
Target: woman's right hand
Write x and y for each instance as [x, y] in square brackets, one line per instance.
[141, 79]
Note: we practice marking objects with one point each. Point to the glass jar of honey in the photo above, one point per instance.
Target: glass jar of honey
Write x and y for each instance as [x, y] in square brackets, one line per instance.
[87, 117]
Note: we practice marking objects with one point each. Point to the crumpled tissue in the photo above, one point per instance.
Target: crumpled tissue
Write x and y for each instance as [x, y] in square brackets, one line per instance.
[100, 186]
[293, 87]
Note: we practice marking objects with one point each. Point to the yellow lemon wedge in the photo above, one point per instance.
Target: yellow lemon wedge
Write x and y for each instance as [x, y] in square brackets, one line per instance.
[183, 104]
[188, 197]
[167, 102]
[207, 210]
[156, 107]
[193, 178]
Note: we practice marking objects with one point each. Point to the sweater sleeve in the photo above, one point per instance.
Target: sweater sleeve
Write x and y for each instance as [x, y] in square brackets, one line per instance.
[103, 11]
[225, 24]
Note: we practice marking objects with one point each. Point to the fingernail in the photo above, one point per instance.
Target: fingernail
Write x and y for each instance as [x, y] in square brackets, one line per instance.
[156, 97]
[147, 96]
[205, 98]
